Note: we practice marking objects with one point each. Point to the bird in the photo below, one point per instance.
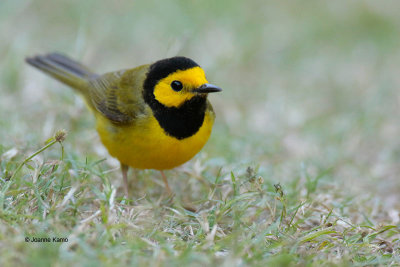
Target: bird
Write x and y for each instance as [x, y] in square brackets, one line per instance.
[154, 116]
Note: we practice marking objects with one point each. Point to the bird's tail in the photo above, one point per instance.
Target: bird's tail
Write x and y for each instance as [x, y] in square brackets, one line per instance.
[63, 69]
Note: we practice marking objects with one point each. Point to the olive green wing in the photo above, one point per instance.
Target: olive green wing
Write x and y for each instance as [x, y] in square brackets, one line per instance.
[119, 95]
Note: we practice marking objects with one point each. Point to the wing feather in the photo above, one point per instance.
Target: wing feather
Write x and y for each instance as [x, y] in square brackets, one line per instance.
[118, 95]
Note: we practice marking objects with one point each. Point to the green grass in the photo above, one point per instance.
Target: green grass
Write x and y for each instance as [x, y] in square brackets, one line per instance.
[302, 168]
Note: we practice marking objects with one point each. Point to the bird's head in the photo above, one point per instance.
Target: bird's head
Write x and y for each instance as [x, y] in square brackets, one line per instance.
[173, 81]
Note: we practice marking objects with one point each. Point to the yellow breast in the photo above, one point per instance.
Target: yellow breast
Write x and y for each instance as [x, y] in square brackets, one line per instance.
[144, 145]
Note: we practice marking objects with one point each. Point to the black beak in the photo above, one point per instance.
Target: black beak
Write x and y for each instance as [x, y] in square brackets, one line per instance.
[207, 88]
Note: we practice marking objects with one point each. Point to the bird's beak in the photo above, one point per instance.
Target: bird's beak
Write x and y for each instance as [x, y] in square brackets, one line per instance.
[207, 88]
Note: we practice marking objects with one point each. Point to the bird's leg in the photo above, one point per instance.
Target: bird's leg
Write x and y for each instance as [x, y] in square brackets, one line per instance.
[166, 182]
[124, 169]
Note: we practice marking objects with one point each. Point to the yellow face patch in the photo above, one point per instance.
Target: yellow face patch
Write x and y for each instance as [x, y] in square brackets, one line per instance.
[190, 79]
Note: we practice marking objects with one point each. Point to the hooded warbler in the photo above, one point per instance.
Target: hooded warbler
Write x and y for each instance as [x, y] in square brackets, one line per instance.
[154, 116]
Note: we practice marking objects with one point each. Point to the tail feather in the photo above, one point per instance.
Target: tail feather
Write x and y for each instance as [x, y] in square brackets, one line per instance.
[63, 69]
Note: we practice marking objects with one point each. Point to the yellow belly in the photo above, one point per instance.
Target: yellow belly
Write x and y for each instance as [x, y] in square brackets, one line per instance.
[145, 145]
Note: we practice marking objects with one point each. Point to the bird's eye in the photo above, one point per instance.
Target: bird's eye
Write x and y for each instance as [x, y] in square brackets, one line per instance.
[176, 85]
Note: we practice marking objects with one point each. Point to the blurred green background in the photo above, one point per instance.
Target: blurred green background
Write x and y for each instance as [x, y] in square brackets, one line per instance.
[307, 84]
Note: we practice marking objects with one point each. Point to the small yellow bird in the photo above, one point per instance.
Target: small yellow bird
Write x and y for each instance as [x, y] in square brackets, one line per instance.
[154, 116]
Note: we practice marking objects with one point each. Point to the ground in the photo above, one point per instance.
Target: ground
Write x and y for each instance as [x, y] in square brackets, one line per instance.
[302, 168]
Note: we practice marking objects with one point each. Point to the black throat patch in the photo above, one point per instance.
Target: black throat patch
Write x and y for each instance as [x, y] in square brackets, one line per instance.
[181, 122]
